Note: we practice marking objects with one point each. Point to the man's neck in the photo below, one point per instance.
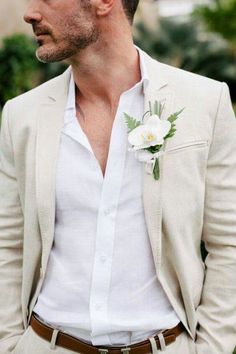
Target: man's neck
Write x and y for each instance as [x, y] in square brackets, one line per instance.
[102, 73]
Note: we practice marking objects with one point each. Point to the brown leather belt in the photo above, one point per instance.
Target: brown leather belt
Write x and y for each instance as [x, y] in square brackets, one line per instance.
[69, 342]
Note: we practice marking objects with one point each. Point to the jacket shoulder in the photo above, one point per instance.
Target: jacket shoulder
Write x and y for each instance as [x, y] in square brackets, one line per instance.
[188, 78]
[21, 110]
[46, 89]
[190, 89]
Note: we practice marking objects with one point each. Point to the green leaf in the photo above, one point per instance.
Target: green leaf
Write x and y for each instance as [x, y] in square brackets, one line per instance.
[171, 132]
[154, 149]
[169, 135]
[131, 122]
[150, 107]
[161, 109]
[158, 108]
[174, 116]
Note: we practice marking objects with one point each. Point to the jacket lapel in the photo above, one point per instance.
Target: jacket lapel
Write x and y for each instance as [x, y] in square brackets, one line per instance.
[152, 197]
[158, 90]
[49, 125]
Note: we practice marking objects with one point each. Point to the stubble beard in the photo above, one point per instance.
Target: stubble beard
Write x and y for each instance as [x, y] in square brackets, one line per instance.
[69, 45]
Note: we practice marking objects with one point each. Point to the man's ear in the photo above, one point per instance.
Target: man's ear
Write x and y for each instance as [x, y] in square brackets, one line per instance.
[103, 7]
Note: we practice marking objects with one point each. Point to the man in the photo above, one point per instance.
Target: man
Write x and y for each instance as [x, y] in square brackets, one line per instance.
[96, 253]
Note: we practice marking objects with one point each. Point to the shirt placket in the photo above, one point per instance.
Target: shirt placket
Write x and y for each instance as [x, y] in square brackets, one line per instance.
[105, 235]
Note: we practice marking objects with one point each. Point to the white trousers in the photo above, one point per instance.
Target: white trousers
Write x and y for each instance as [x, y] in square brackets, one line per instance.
[31, 343]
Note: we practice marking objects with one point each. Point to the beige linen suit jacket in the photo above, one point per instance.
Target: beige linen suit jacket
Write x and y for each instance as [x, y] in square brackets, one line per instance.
[194, 199]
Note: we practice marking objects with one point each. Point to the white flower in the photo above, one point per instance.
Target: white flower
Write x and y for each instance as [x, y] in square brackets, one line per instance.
[150, 133]
[146, 139]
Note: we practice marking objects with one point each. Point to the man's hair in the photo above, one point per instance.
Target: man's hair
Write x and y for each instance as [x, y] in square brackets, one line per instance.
[130, 7]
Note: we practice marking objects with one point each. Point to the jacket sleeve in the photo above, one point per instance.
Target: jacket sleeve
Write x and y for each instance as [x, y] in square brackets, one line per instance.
[216, 314]
[11, 244]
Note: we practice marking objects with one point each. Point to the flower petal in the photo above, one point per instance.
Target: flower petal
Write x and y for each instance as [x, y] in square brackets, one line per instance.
[153, 120]
[166, 126]
[143, 146]
[158, 141]
[160, 128]
[135, 137]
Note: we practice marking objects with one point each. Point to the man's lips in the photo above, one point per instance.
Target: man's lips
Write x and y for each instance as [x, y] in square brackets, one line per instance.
[40, 37]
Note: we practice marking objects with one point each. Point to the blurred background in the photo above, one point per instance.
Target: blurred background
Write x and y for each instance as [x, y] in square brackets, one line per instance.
[196, 35]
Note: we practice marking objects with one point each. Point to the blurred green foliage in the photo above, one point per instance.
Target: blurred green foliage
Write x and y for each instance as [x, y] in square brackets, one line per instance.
[184, 43]
[20, 71]
[18, 67]
[220, 17]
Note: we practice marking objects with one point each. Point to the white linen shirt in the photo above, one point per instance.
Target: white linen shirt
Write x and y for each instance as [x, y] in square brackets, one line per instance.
[101, 285]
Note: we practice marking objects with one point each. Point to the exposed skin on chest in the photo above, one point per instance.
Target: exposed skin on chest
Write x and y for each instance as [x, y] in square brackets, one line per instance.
[97, 124]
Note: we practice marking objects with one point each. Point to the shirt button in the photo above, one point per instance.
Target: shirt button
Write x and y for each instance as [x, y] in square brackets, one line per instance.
[97, 307]
[103, 259]
[107, 211]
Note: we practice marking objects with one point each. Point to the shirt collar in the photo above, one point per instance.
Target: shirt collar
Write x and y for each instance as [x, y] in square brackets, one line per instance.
[143, 68]
[144, 80]
[71, 94]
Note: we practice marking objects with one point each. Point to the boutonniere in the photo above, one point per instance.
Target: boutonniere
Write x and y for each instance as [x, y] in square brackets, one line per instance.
[147, 138]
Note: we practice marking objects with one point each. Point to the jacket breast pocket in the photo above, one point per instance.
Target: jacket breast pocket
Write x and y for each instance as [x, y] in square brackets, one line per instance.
[196, 144]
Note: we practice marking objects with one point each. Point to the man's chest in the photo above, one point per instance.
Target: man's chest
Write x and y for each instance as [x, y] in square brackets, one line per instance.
[97, 126]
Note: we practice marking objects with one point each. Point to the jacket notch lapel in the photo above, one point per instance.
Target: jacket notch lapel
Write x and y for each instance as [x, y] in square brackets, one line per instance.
[50, 123]
[152, 196]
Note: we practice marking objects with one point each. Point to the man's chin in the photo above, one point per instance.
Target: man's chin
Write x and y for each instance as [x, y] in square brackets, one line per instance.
[47, 55]
[43, 55]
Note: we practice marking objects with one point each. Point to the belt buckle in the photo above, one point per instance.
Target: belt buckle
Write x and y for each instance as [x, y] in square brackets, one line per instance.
[103, 350]
[106, 351]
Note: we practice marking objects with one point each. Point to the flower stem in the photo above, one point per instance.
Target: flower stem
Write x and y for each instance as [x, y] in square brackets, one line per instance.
[156, 170]
[150, 108]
